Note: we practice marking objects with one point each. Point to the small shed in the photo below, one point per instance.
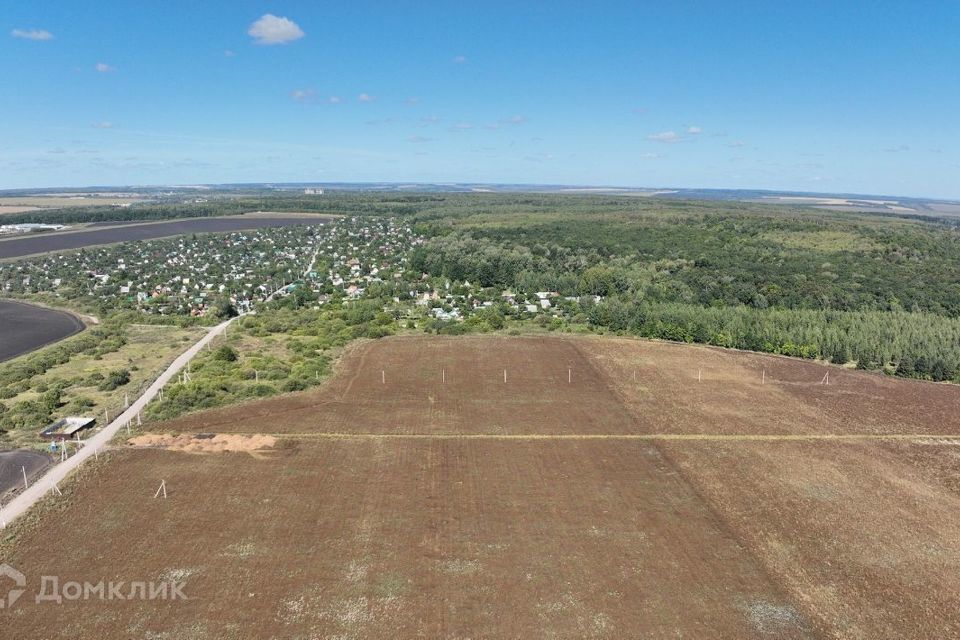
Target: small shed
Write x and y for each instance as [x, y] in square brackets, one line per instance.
[67, 427]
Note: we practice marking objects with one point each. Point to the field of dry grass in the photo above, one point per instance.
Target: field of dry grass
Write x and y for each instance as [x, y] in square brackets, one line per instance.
[28, 203]
[602, 491]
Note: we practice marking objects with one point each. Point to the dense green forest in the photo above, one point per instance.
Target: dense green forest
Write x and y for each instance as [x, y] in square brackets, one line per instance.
[880, 292]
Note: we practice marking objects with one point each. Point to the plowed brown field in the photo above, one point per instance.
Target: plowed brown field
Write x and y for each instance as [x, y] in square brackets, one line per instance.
[600, 492]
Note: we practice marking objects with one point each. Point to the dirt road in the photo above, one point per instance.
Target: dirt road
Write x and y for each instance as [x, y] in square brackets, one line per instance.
[19, 505]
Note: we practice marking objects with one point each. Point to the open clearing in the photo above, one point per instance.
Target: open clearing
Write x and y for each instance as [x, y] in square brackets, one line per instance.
[600, 492]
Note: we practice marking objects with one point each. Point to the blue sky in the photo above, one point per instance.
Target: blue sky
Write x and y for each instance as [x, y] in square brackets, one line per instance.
[813, 96]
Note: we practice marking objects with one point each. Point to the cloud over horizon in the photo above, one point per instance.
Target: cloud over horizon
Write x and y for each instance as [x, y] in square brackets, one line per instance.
[270, 30]
[665, 136]
[32, 34]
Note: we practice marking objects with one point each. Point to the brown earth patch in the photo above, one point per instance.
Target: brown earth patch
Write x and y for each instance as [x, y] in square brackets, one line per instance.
[204, 443]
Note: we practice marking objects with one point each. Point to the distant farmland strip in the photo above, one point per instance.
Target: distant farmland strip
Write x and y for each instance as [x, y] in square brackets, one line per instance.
[45, 243]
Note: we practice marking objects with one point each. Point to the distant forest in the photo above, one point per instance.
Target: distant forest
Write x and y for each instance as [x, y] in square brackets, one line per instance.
[880, 291]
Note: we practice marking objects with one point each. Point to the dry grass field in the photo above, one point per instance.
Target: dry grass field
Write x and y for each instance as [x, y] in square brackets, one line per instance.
[602, 491]
[10, 204]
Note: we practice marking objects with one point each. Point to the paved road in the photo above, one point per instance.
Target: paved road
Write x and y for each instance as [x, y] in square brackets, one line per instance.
[19, 505]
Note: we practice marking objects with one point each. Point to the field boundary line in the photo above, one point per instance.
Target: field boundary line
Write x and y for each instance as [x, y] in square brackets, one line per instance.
[764, 437]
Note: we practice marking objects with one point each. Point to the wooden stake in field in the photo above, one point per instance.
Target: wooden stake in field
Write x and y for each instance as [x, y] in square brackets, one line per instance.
[383, 377]
[763, 378]
[504, 376]
[826, 378]
[54, 486]
[699, 375]
[128, 427]
[443, 376]
[106, 417]
[163, 488]
[126, 400]
[256, 375]
[569, 375]
[139, 421]
[24, 471]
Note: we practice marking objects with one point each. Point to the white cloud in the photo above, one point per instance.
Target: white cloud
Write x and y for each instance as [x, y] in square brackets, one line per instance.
[32, 34]
[458, 59]
[229, 53]
[365, 97]
[270, 29]
[652, 156]
[664, 136]
[412, 101]
[419, 139]
[309, 96]
[461, 126]
[102, 125]
[512, 120]
[694, 130]
[303, 95]
[103, 67]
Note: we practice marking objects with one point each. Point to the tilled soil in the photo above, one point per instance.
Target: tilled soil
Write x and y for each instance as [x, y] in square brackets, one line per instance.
[602, 491]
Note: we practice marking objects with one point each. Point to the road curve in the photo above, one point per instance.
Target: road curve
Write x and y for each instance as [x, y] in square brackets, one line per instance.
[22, 503]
